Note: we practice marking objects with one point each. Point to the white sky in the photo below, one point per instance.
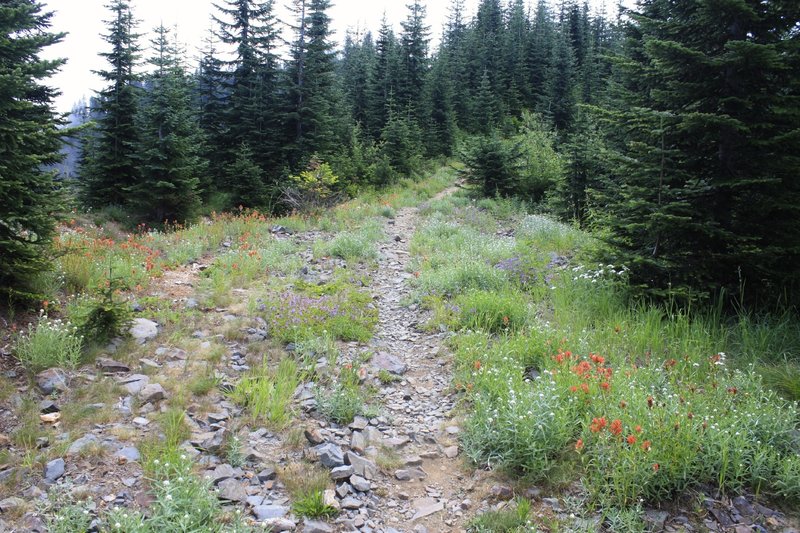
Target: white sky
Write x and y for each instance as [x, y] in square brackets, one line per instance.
[83, 20]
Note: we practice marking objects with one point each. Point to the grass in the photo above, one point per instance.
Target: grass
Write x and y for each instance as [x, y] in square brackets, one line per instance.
[353, 245]
[342, 400]
[565, 378]
[508, 520]
[48, 344]
[267, 394]
[306, 484]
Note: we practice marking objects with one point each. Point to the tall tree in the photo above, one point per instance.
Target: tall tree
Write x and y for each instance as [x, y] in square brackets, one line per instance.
[110, 167]
[414, 48]
[170, 140]
[211, 102]
[383, 80]
[709, 146]
[29, 140]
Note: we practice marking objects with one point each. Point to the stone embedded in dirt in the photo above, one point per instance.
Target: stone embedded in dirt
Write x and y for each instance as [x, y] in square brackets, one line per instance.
[361, 466]
[743, 506]
[502, 492]
[52, 380]
[359, 423]
[359, 483]
[211, 442]
[426, 507]
[152, 393]
[54, 469]
[316, 526]
[358, 442]
[656, 519]
[128, 454]
[267, 474]
[141, 421]
[341, 473]
[553, 503]
[135, 383]
[373, 435]
[79, 445]
[106, 364]
[47, 407]
[223, 472]
[412, 460]
[232, 490]
[277, 525]
[397, 442]
[191, 303]
[451, 452]
[389, 363]
[216, 418]
[143, 330]
[329, 499]
[267, 512]
[453, 430]
[314, 436]
[410, 474]
[330, 455]
[12, 504]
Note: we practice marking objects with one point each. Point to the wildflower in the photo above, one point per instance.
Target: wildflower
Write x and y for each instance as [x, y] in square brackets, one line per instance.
[598, 424]
[585, 388]
[605, 386]
[638, 429]
[573, 389]
[623, 404]
[505, 321]
[646, 445]
[631, 440]
[598, 359]
[477, 365]
[655, 467]
[616, 427]
[579, 445]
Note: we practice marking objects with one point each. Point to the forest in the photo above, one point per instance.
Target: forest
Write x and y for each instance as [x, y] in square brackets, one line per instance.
[540, 274]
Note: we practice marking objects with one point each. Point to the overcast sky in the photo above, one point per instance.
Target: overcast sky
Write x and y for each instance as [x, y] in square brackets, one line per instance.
[83, 20]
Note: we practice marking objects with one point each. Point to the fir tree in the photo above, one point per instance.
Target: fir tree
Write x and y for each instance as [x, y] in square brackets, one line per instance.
[29, 140]
[170, 141]
[110, 168]
[211, 103]
[414, 50]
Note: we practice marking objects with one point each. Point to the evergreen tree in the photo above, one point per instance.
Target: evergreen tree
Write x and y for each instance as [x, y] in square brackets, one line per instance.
[211, 103]
[560, 95]
[439, 116]
[414, 48]
[383, 80]
[540, 44]
[29, 140]
[705, 194]
[358, 60]
[170, 141]
[110, 167]
[453, 56]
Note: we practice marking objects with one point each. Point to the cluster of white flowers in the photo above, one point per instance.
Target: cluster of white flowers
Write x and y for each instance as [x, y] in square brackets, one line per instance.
[602, 272]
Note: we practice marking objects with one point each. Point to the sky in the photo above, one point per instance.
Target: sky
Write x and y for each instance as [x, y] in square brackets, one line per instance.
[83, 21]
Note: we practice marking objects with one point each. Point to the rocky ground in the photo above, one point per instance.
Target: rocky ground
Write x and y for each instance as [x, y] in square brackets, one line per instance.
[401, 470]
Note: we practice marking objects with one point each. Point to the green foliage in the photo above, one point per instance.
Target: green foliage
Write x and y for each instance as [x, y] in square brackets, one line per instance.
[99, 320]
[29, 141]
[493, 165]
[495, 312]
[48, 344]
[510, 520]
[267, 394]
[245, 179]
[342, 400]
[306, 484]
[542, 168]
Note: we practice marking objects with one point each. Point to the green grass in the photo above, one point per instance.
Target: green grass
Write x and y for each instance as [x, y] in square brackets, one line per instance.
[515, 519]
[343, 399]
[306, 484]
[267, 394]
[47, 344]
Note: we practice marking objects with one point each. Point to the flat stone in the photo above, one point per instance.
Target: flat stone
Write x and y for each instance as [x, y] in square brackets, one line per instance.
[359, 423]
[362, 466]
[410, 474]
[143, 330]
[357, 442]
[330, 455]
[54, 469]
[329, 499]
[135, 383]
[316, 526]
[221, 473]
[52, 380]
[350, 502]
[426, 507]
[232, 490]
[141, 421]
[128, 454]
[313, 436]
[11, 504]
[451, 452]
[79, 445]
[359, 483]
[341, 473]
[152, 393]
[389, 363]
[412, 460]
[277, 525]
[106, 364]
[266, 512]
[267, 474]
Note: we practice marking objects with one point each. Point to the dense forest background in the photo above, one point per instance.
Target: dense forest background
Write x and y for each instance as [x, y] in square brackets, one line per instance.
[671, 130]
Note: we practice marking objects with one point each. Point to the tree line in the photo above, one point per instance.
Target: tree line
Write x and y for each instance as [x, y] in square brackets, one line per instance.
[671, 129]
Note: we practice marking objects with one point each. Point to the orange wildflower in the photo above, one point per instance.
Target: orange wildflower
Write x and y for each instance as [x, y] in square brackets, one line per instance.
[579, 445]
[631, 440]
[616, 427]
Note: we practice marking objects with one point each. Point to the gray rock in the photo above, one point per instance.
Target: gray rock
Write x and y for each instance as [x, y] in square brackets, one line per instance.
[330, 455]
[232, 490]
[143, 330]
[390, 363]
[48, 406]
[211, 442]
[11, 504]
[451, 452]
[266, 512]
[657, 519]
[267, 474]
[350, 502]
[426, 507]
[410, 474]
[313, 436]
[79, 445]
[341, 473]
[359, 483]
[152, 393]
[54, 470]
[135, 383]
[316, 526]
[221, 473]
[52, 380]
[361, 466]
[191, 303]
[358, 442]
[128, 454]
[109, 365]
[277, 525]
[359, 423]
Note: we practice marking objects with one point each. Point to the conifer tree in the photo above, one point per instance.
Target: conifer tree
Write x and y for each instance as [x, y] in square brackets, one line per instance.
[383, 80]
[110, 167]
[211, 103]
[414, 48]
[706, 195]
[29, 140]
[170, 140]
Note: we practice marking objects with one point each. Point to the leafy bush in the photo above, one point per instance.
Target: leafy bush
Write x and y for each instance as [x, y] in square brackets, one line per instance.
[50, 343]
[542, 168]
[313, 190]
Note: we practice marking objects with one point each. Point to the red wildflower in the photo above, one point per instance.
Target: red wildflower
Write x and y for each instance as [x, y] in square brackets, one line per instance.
[616, 427]
[585, 388]
[477, 365]
[579, 445]
[646, 445]
[505, 320]
[598, 424]
[631, 440]
[598, 359]
[655, 467]
[605, 386]
[638, 429]
[573, 389]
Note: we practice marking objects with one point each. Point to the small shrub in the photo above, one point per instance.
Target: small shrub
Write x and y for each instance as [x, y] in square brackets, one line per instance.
[100, 320]
[202, 385]
[387, 378]
[50, 343]
[343, 400]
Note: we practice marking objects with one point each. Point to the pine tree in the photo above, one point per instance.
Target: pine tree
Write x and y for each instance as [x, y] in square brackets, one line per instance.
[358, 60]
[437, 107]
[706, 135]
[170, 141]
[560, 95]
[29, 140]
[540, 44]
[383, 80]
[414, 49]
[211, 103]
[110, 167]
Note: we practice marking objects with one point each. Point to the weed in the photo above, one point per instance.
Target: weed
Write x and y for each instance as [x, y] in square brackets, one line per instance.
[50, 343]
[495, 312]
[509, 520]
[344, 399]
[387, 378]
[306, 483]
[268, 394]
[234, 452]
[312, 505]
[203, 384]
